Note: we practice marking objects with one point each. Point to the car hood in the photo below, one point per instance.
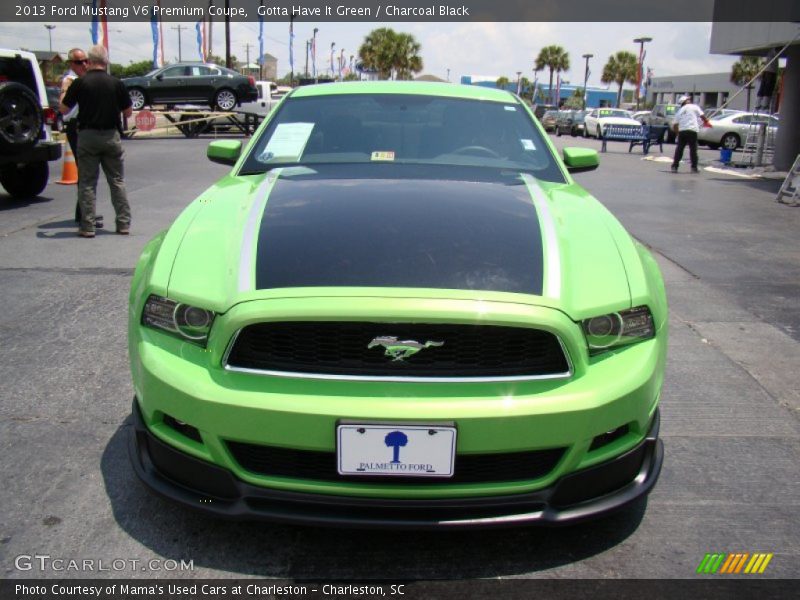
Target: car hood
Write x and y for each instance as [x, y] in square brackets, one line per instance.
[327, 232]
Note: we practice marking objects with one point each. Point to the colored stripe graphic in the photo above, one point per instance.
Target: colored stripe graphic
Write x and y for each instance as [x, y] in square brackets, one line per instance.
[734, 563]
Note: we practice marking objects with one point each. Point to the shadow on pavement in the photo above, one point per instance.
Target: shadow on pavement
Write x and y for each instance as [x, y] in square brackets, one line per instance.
[9, 203]
[306, 553]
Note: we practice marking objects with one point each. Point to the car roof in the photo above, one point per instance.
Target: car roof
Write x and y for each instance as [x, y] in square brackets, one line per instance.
[422, 88]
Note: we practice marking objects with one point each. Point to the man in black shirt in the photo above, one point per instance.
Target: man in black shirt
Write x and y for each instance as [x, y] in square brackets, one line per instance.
[101, 98]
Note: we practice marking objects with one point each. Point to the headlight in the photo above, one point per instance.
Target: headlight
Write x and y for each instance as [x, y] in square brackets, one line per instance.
[619, 328]
[188, 322]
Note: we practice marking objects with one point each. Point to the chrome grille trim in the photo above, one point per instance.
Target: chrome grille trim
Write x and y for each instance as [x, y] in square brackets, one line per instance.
[395, 378]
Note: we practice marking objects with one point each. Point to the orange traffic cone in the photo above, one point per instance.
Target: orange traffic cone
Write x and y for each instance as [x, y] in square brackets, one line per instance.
[69, 170]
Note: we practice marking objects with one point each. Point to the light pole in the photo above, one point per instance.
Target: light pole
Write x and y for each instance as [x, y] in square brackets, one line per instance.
[641, 41]
[448, 75]
[333, 71]
[50, 35]
[341, 65]
[586, 78]
[308, 47]
[314, 53]
[519, 82]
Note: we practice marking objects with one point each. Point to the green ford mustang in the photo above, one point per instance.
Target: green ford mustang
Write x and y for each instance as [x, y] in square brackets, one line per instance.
[398, 310]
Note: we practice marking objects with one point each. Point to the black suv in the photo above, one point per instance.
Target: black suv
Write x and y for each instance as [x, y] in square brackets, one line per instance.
[25, 145]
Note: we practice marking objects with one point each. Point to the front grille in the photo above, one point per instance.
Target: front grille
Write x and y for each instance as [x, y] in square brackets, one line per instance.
[341, 348]
[469, 468]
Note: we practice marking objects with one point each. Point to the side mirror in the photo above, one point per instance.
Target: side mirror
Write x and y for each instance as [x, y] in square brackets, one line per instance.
[578, 160]
[224, 152]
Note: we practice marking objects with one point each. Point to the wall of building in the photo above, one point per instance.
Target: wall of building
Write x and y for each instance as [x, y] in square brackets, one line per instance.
[709, 90]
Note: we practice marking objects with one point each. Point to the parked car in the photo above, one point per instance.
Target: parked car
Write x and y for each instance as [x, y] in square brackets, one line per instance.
[183, 83]
[540, 109]
[642, 116]
[598, 118]
[570, 122]
[398, 310]
[52, 115]
[730, 131]
[664, 114]
[549, 120]
[25, 143]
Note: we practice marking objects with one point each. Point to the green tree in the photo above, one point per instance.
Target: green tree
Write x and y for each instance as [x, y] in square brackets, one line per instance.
[554, 58]
[502, 82]
[220, 60]
[136, 69]
[575, 101]
[386, 51]
[744, 70]
[621, 67]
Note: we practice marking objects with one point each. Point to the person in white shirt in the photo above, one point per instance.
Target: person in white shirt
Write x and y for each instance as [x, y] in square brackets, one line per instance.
[687, 123]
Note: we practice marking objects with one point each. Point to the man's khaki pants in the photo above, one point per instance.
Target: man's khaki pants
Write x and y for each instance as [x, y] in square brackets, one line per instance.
[96, 148]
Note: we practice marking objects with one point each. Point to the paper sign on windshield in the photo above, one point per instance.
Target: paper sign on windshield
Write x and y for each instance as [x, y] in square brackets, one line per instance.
[287, 142]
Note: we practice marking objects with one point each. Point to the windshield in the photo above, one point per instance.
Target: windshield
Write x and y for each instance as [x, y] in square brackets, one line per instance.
[608, 112]
[402, 129]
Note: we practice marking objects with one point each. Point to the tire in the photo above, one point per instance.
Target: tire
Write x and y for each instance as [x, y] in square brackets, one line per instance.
[730, 141]
[138, 99]
[27, 181]
[573, 132]
[20, 118]
[225, 100]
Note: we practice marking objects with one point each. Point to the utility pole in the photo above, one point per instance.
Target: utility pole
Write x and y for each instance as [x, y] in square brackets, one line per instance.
[178, 28]
[247, 54]
[308, 47]
[228, 34]
[333, 71]
[586, 78]
[341, 65]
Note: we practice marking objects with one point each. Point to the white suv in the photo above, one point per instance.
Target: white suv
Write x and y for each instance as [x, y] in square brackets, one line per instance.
[25, 144]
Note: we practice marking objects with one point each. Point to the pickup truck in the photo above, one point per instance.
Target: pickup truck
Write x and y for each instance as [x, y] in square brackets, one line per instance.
[25, 144]
[269, 94]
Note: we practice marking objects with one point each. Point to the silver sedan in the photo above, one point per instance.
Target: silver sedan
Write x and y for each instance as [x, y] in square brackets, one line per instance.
[730, 130]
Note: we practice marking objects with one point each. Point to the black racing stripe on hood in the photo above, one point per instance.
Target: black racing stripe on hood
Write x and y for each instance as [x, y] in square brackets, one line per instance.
[381, 232]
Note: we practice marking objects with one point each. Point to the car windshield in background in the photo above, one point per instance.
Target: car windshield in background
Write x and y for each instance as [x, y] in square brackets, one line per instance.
[607, 112]
[402, 129]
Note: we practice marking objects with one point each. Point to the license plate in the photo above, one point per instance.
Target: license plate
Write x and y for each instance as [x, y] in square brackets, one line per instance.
[400, 450]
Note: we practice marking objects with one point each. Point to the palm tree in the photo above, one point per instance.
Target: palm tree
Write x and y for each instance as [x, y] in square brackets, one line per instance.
[502, 82]
[387, 51]
[407, 60]
[744, 70]
[554, 58]
[621, 67]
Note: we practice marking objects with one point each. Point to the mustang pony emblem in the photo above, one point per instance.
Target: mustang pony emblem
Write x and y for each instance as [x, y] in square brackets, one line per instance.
[400, 350]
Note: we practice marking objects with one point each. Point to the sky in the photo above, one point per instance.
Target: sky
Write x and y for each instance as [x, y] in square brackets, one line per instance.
[486, 49]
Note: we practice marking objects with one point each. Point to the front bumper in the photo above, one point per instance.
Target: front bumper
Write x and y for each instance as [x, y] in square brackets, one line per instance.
[579, 496]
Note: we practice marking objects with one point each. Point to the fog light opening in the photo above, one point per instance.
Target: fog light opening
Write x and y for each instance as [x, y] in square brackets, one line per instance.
[606, 438]
[183, 428]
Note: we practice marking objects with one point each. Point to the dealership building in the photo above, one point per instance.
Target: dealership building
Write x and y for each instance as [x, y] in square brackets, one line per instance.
[710, 90]
[757, 39]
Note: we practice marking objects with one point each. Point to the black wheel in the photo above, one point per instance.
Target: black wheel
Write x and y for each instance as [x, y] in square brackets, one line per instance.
[225, 99]
[730, 141]
[138, 99]
[20, 118]
[27, 181]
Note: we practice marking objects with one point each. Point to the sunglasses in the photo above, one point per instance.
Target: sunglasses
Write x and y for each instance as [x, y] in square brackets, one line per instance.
[79, 62]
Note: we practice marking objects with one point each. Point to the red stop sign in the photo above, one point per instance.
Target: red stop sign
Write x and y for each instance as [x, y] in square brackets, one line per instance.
[145, 120]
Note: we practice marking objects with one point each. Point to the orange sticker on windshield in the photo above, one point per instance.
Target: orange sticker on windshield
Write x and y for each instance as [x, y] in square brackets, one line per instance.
[383, 155]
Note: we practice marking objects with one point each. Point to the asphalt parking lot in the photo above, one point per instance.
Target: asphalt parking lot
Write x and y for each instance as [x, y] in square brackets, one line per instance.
[730, 405]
